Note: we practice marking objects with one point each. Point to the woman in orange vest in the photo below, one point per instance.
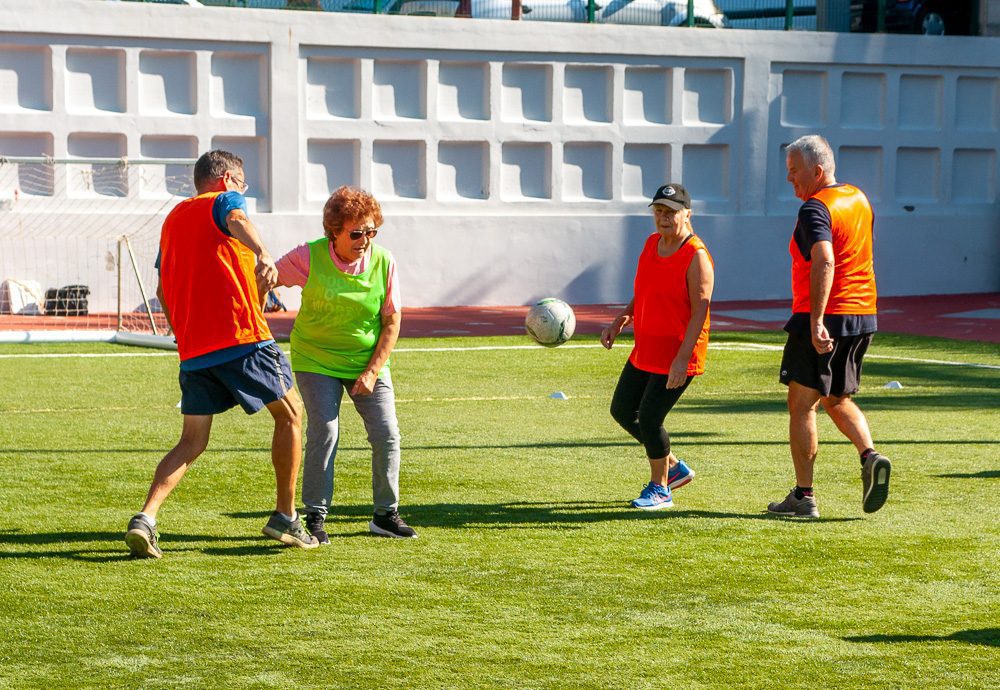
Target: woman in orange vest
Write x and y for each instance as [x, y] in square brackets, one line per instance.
[669, 313]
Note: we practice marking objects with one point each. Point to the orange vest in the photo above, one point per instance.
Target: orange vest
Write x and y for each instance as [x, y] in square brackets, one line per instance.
[662, 309]
[851, 220]
[208, 282]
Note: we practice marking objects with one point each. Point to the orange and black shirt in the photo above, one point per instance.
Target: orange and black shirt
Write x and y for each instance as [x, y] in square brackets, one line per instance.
[842, 215]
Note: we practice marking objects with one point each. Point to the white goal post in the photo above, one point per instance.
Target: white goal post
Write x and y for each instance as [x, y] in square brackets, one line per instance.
[78, 242]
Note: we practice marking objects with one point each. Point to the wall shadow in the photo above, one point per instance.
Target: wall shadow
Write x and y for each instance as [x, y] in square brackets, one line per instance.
[985, 474]
[989, 637]
[536, 515]
[108, 547]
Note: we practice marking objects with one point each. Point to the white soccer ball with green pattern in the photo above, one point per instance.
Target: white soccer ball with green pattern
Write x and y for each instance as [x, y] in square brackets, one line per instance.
[550, 322]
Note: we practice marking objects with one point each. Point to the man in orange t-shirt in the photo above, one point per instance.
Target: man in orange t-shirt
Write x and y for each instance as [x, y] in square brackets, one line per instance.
[213, 272]
[832, 324]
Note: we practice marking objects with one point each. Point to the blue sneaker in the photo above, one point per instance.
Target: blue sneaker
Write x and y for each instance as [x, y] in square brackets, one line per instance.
[679, 475]
[654, 497]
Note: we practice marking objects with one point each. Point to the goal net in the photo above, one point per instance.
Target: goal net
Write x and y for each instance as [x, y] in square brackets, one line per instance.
[78, 245]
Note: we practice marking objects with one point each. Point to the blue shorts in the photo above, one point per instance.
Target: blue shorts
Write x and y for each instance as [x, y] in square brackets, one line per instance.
[252, 381]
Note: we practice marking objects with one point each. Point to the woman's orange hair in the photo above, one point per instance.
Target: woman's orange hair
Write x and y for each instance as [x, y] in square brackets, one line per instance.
[348, 204]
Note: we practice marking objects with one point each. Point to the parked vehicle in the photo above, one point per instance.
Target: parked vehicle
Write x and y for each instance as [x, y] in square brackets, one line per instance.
[661, 12]
[928, 17]
[656, 12]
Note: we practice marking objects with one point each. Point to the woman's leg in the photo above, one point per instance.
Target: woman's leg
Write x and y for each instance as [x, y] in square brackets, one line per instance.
[378, 412]
[657, 400]
[322, 396]
[627, 398]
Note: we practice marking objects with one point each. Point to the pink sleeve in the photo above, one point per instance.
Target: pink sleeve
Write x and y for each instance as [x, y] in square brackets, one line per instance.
[393, 303]
[293, 267]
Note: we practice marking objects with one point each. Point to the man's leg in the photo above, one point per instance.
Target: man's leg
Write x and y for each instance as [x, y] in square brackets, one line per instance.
[875, 467]
[851, 421]
[803, 442]
[802, 436]
[194, 439]
[141, 535]
[286, 448]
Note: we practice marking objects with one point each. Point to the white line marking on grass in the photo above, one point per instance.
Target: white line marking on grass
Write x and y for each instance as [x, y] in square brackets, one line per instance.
[732, 347]
[934, 361]
[488, 398]
[66, 355]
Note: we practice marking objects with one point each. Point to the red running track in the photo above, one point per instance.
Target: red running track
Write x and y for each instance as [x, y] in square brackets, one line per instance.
[963, 317]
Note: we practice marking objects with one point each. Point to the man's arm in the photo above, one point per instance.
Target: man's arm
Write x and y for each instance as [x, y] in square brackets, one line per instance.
[163, 303]
[820, 284]
[242, 229]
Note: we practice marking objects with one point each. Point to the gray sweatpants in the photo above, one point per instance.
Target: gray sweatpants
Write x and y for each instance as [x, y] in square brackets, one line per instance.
[322, 396]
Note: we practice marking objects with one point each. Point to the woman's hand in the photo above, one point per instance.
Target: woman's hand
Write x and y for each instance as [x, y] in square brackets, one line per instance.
[365, 383]
[611, 332]
[678, 372]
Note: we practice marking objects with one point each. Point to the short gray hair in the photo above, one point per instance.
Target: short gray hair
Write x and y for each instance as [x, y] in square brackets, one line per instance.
[815, 150]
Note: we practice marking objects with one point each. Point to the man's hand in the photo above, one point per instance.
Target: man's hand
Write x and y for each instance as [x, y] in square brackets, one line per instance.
[821, 338]
[267, 272]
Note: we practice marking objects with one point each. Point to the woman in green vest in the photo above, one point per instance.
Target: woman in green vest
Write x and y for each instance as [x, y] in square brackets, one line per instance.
[344, 332]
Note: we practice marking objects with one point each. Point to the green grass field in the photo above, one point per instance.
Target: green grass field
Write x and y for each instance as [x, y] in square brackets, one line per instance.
[531, 570]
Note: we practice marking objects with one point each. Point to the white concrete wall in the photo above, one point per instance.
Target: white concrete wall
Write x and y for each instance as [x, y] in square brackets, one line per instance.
[514, 160]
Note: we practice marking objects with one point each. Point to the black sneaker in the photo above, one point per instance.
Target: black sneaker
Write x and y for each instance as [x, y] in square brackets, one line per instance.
[290, 533]
[315, 523]
[141, 538]
[391, 525]
[875, 482]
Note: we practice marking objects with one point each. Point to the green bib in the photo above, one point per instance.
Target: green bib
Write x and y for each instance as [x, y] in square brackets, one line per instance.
[340, 319]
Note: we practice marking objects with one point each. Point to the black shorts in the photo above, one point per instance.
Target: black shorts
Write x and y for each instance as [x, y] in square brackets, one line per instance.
[835, 373]
[251, 381]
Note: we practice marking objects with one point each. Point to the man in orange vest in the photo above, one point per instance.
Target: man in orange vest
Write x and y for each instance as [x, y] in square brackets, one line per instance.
[213, 271]
[832, 324]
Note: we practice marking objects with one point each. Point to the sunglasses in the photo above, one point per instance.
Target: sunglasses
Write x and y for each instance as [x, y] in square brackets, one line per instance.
[240, 182]
[361, 232]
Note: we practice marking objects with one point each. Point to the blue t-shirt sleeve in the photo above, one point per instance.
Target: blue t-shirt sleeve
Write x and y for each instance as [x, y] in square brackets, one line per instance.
[814, 225]
[225, 203]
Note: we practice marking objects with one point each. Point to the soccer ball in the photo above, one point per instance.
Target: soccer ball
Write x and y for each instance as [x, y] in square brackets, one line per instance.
[550, 322]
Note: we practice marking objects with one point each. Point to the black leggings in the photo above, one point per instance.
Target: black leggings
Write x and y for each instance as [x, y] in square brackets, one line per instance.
[641, 403]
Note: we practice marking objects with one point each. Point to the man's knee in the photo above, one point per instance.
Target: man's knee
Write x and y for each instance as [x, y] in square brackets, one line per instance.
[287, 411]
[802, 401]
[194, 434]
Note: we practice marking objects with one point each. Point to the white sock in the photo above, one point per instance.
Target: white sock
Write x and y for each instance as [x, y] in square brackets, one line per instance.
[290, 518]
[149, 518]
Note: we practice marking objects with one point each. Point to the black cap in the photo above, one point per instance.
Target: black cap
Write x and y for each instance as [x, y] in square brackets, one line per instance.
[672, 196]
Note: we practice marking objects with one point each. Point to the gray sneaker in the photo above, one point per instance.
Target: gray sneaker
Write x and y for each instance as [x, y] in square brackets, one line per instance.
[290, 533]
[141, 538]
[804, 507]
[875, 482]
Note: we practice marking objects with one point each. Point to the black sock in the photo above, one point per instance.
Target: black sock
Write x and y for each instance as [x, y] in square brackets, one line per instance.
[865, 454]
[801, 491]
